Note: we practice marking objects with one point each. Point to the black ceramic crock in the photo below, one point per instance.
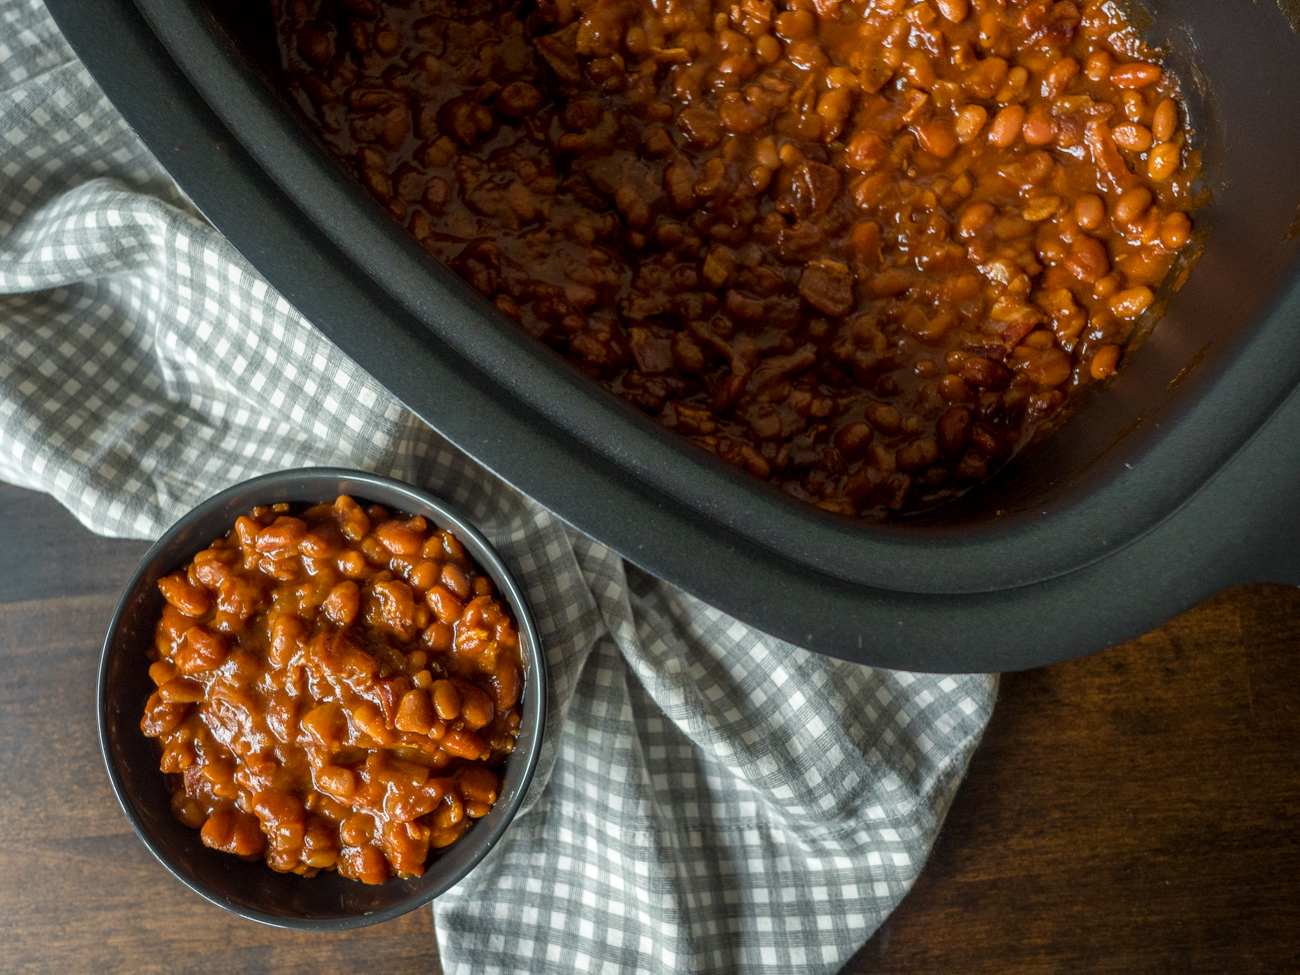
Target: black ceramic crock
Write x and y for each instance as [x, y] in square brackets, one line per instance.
[1116, 510]
[326, 902]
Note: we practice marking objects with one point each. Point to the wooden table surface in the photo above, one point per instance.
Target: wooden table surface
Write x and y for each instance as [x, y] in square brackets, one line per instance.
[1137, 811]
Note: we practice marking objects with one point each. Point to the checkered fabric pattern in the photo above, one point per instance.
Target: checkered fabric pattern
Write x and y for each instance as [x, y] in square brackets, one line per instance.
[710, 799]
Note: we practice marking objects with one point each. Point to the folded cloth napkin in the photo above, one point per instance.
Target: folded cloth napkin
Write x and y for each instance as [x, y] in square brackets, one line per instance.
[710, 799]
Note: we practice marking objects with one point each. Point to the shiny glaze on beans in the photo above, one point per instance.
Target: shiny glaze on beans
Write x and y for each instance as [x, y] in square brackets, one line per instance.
[861, 250]
[336, 690]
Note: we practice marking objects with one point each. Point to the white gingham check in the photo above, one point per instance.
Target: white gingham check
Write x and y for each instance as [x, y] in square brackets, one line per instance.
[710, 799]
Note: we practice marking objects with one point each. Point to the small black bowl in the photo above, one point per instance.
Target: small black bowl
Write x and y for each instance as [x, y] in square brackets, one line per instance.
[253, 890]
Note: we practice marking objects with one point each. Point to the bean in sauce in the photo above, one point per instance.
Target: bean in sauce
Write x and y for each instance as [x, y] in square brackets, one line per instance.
[336, 690]
[861, 250]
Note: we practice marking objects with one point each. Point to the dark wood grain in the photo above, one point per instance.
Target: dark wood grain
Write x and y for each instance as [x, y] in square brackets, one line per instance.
[47, 553]
[1134, 812]
[78, 891]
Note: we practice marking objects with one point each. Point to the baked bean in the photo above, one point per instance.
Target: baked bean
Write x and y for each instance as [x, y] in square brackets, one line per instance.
[1059, 77]
[1108, 285]
[750, 220]
[328, 724]
[452, 811]
[917, 455]
[319, 846]
[990, 29]
[1039, 128]
[476, 708]
[1135, 106]
[953, 10]
[463, 744]
[343, 603]
[1136, 75]
[444, 603]
[287, 635]
[1132, 205]
[1148, 233]
[392, 607]
[282, 536]
[1131, 136]
[954, 430]
[1098, 66]
[453, 549]
[446, 700]
[795, 25]
[357, 829]
[479, 784]
[354, 565]
[438, 637]
[353, 522]
[1041, 208]
[518, 99]
[1104, 361]
[181, 690]
[1163, 161]
[364, 863]
[833, 107]
[186, 597]
[339, 782]
[970, 122]
[177, 755]
[232, 831]
[938, 137]
[1164, 123]
[369, 721]
[984, 373]
[424, 575]
[246, 530]
[1087, 259]
[1006, 125]
[455, 579]
[1044, 367]
[189, 811]
[1176, 230]
[1129, 304]
[1016, 79]
[507, 685]
[401, 538]
[348, 680]
[161, 716]
[201, 651]
[986, 78]
[1089, 211]
[415, 714]
[852, 439]
[315, 45]
[884, 417]
[282, 817]
[954, 389]
[974, 218]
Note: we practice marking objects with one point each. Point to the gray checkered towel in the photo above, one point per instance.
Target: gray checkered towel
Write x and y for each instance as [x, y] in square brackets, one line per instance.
[710, 799]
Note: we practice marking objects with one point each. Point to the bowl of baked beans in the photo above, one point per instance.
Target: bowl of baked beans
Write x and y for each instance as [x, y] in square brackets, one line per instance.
[321, 698]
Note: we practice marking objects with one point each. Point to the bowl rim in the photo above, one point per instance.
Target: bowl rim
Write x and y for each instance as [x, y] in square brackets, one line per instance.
[536, 684]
